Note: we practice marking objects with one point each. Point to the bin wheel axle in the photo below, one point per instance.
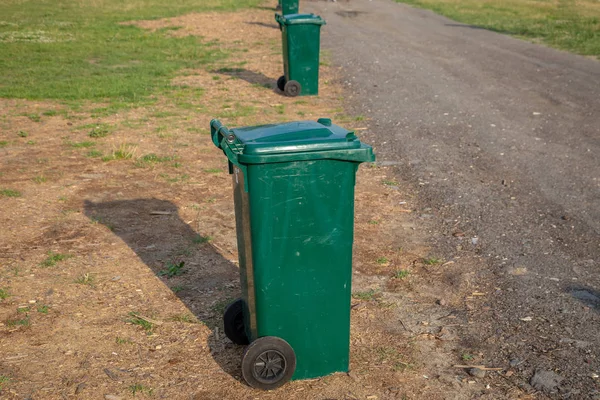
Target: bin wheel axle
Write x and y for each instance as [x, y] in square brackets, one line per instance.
[233, 323]
[292, 88]
[268, 363]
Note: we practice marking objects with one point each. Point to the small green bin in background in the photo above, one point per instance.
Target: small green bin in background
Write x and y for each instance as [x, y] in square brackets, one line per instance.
[301, 44]
[288, 6]
[293, 186]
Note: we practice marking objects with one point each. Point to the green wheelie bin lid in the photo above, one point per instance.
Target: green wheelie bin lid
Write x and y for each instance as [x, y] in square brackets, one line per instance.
[292, 141]
[298, 19]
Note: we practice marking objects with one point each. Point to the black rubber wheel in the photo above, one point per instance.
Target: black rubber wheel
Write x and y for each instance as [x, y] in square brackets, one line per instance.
[281, 83]
[292, 88]
[268, 363]
[233, 322]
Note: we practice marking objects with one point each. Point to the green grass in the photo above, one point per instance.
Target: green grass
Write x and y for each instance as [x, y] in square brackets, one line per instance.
[22, 134]
[99, 130]
[382, 260]
[123, 152]
[73, 50]
[138, 388]
[43, 309]
[3, 379]
[94, 154]
[40, 179]
[9, 193]
[3, 143]
[401, 274]
[4, 294]
[82, 145]
[199, 239]
[564, 24]
[13, 323]
[364, 295]
[432, 260]
[173, 269]
[136, 320]
[152, 158]
[54, 258]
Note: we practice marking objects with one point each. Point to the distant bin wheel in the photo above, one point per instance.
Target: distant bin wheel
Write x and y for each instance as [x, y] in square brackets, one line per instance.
[281, 83]
[233, 323]
[268, 363]
[292, 88]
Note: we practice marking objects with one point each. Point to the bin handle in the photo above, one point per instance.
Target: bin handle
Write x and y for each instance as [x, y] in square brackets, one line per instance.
[279, 18]
[221, 137]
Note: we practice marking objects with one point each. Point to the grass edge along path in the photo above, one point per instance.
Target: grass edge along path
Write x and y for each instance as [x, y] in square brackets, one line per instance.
[563, 24]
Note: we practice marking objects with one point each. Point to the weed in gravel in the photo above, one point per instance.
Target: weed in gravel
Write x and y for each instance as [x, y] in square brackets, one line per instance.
[364, 295]
[213, 170]
[120, 340]
[373, 222]
[94, 154]
[141, 389]
[13, 323]
[22, 134]
[382, 260]
[99, 130]
[152, 158]
[177, 289]
[467, 357]
[432, 260]
[40, 179]
[199, 239]
[137, 320]
[123, 152]
[4, 294]
[43, 309]
[401, 274]
[190, 319]
[83, 145]
[9, 193]
[86, 279]
[3, 143]
[3, 380]
[388, 182]
[33, 117]
[54, 258]
[24, 309]
[173, 269]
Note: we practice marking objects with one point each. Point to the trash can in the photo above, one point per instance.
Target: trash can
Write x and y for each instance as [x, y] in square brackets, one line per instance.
[301, 43]
[288, 6]
[293, 186]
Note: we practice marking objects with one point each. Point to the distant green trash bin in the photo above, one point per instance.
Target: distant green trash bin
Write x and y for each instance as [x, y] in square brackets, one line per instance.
[301, 44]
[289, 6]
[293, 188]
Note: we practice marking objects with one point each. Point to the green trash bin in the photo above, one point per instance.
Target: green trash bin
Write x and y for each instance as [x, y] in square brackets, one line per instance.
[293, 188]
[301, 43]
[289, 6]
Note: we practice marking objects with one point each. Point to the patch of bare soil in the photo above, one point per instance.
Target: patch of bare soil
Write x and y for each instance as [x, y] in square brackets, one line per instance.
[118, 251]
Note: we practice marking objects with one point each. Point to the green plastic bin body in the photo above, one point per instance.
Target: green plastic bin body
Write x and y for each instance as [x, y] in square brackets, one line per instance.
[289, 6]
[301, 43]
[294, 206]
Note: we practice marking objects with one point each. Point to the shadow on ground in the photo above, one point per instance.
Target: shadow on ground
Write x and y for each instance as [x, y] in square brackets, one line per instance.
[588, 296]
[274, 26]
[206, 282]
[255, 78]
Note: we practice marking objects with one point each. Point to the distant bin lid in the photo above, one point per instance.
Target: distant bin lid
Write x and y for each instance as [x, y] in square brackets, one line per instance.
[292, 19]
[259, 144]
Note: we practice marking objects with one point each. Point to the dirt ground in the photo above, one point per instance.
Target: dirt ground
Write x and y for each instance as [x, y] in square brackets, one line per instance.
[98, 304]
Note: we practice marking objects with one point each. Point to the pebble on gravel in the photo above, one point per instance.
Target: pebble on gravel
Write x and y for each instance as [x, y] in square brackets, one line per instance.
[477, 372]
[545, 381]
